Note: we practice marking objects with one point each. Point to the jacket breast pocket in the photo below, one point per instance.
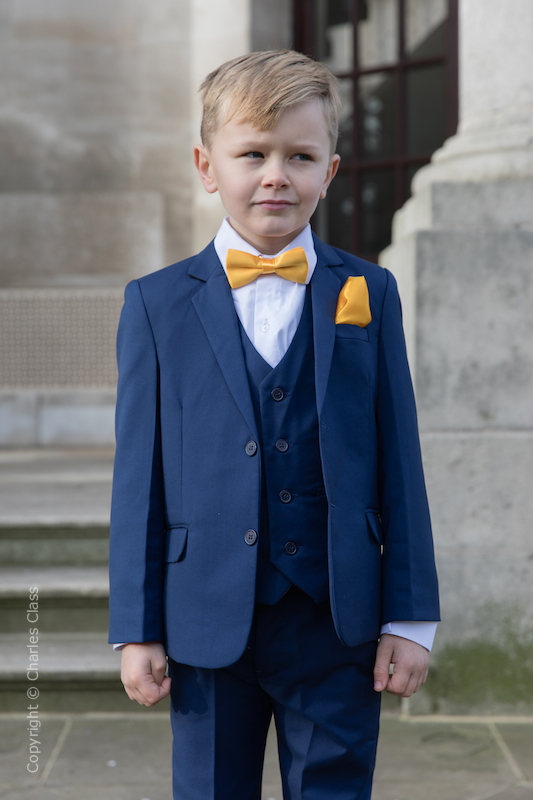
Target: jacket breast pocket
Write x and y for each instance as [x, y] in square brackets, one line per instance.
[176, 543]
[344, 331]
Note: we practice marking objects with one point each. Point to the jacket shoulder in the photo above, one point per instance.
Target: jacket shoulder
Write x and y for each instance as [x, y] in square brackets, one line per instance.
[175, 279]
[165, 275]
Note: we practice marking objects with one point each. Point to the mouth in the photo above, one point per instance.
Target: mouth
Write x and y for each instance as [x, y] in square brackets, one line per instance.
[274, 205]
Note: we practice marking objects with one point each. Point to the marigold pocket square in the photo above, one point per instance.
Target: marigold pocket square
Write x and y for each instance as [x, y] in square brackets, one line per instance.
[353, 305]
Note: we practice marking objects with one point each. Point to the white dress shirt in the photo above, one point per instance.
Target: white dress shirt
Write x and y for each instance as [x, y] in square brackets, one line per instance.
[269, 309]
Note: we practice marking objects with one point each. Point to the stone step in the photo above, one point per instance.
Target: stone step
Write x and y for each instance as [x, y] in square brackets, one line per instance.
[55, 487]
[54, 545]
[61, 673]
[54, 599]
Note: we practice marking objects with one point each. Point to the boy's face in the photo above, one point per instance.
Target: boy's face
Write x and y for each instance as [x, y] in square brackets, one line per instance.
[270, 181]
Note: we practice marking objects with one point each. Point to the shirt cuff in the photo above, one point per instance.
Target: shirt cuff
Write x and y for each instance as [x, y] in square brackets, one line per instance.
[422, 633]
[119, 646]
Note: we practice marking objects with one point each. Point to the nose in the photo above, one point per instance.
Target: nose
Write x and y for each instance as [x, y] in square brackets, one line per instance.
[275, 174]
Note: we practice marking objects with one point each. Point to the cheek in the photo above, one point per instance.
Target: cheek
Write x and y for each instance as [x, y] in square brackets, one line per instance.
[228, 188]
[235, 183]
[313, 189]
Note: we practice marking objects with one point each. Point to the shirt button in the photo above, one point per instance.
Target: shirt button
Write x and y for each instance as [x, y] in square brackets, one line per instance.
[277, 394]
[250, 537]
[290, 548]
[285, 496]
[251, 448]
[282, 445]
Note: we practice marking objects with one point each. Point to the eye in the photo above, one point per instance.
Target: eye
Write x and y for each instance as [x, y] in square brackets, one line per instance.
[302, 157]
[253, 154]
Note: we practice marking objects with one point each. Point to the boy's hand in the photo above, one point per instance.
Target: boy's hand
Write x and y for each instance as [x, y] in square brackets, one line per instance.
[410, 661]
[143, 672]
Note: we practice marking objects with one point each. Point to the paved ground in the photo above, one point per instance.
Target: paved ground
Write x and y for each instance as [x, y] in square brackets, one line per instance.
[127, 757]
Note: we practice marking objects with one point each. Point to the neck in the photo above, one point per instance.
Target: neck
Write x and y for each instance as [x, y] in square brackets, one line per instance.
[267, 246]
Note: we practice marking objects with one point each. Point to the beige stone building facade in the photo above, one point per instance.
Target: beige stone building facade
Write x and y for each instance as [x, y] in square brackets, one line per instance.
[98, 116]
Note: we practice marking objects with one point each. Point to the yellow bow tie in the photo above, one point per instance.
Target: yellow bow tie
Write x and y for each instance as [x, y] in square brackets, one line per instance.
[243, 268]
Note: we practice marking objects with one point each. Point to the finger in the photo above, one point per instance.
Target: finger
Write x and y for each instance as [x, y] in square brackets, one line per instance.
[140, 689]
[399, 680]
[382, 665]
[134, 695]
[140, 698]
[159, 668]
[411, 687]
[419, 676]
[152, 692]
[401, 674]
[422, 678]
[146, 696]
[165, 688]
[415, 681]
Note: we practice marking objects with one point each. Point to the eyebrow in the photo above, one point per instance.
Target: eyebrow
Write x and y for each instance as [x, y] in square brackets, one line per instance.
[256, 144]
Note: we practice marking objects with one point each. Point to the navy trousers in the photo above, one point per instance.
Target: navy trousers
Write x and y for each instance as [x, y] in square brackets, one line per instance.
[319, 691]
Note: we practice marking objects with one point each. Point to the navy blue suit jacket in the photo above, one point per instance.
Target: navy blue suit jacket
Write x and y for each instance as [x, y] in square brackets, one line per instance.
[185, 492]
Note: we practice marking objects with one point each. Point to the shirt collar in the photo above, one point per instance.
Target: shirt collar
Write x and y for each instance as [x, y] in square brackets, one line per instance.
[227, 238]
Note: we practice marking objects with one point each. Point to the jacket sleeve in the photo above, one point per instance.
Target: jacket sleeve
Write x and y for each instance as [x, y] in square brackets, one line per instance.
[137, 533]
[410, 590]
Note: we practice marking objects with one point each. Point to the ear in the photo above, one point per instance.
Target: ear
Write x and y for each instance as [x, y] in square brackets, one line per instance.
[202, 161]
[333, 166]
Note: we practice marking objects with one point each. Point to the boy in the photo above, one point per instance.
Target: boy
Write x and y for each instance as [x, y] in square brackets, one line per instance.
[269, 516]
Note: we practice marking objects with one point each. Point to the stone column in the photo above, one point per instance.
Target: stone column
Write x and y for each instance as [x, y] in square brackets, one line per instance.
[463, 252]
[496, 96]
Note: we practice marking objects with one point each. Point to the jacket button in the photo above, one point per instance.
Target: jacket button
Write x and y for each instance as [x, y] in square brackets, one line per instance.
[290, 548]
[285, 496]
[277, 394]
[282, 445]
[251, 448]
[250, 537]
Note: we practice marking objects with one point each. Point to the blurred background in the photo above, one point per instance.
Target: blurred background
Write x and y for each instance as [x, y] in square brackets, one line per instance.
[98, 116]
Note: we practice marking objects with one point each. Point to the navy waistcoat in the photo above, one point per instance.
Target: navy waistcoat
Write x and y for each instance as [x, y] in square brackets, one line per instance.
[293, 530]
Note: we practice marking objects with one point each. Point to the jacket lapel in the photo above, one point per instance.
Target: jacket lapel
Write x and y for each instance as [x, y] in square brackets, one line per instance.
[214, 305]
[325, 288]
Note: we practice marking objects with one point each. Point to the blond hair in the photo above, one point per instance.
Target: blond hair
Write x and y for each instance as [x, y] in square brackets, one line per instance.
[258, 87]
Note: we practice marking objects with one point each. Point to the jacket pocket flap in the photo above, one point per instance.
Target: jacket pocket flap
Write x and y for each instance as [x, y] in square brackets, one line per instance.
[374, 525]
[176, 541]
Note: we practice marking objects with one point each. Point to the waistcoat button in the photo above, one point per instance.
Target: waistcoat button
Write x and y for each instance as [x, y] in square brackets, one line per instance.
[277, 394]
[290, 548]
[282, 445]
[250, 537]
[251, 448]
[285, 496]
